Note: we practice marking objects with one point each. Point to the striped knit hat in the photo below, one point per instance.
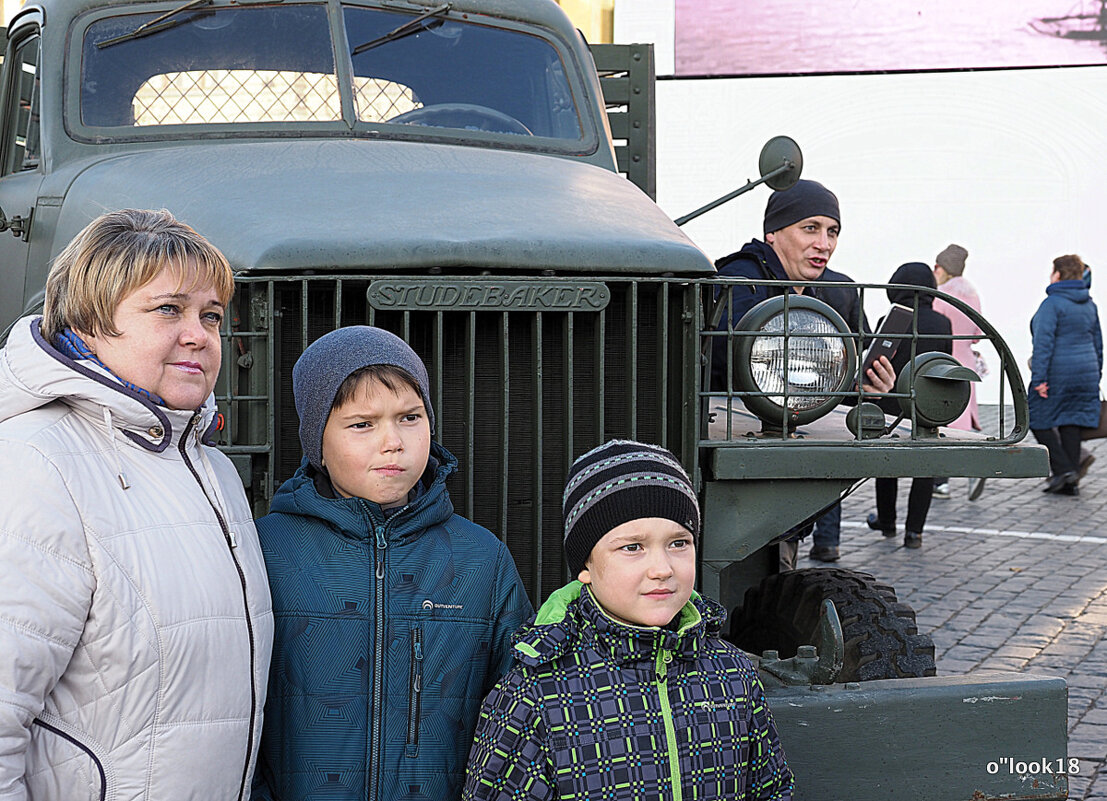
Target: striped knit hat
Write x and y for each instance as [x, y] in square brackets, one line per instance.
[619, 482]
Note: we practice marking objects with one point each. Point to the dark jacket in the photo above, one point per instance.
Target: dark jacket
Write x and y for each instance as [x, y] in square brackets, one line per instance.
[928, 321]
[1068, 355]
[595, 705]
[389, 632]
[758, 260]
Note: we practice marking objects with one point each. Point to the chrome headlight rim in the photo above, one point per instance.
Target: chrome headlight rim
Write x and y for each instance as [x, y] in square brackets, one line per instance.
[756, 319]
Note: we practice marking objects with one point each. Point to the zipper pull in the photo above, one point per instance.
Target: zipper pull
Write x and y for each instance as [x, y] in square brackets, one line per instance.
[663, 660]
[382, 544]
[233, 537]
[418, 650]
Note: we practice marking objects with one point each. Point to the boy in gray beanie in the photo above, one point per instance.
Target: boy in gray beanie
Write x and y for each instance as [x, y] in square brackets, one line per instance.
[393, 615]
[618, 657]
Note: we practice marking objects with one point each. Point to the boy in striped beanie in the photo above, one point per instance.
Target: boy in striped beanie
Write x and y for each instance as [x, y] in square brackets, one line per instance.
[617, 659]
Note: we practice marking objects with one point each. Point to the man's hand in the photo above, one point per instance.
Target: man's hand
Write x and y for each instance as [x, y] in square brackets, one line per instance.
[881, 376]
[1042, 389]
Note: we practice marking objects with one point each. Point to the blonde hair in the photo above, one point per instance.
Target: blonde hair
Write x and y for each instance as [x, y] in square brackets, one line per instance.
[117, 253]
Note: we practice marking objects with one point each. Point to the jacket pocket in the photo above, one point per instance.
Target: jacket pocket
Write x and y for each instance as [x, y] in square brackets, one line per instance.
[66, 748]
[416, 690]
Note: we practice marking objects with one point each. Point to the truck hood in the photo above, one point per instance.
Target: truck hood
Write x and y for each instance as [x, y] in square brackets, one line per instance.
[354, 206]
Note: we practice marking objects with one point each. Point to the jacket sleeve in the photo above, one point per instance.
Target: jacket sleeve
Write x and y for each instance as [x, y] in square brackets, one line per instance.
[1043, 330]
[512, 609]
[1097, 339]
[509, 759]
[46, 584]
[945, 326]
[769, 778]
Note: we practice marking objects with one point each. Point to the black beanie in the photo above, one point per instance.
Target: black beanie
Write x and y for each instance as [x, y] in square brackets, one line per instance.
[619, 482]
[805, 199]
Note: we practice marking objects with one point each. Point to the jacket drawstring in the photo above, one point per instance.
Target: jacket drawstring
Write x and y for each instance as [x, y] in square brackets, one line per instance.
[115, 449]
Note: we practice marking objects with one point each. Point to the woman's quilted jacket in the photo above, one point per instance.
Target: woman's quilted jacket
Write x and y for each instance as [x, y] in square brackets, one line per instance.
[135, 620]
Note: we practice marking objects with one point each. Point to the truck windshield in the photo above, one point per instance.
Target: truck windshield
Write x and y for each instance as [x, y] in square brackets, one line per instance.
[218, 65]
[459, 75]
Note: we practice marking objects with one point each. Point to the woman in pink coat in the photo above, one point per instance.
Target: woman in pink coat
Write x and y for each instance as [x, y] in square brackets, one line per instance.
[948, 268]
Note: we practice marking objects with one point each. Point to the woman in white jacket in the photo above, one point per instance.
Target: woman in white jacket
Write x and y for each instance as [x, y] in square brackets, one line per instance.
[135, 621]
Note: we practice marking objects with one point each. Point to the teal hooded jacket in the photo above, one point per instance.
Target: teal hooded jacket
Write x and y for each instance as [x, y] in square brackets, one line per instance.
[389, 630]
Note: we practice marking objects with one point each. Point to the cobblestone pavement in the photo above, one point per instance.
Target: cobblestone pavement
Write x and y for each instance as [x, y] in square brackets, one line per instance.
[1016, 580]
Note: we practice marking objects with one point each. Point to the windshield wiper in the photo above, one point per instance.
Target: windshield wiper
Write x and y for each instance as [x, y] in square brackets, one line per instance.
[407, 29]
[153, 26]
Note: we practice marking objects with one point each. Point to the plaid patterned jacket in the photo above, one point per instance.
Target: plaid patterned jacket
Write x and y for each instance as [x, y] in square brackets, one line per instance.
[596, 709]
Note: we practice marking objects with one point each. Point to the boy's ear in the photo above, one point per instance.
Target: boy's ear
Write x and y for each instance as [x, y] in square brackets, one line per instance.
[584, 577]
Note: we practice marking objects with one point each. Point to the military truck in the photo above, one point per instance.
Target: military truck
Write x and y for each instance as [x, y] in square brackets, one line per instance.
[450, 172]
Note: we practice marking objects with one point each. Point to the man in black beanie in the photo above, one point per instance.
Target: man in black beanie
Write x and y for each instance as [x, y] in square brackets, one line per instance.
[801, 232]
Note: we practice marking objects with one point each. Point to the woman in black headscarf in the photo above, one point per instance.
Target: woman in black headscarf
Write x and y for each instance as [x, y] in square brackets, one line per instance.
[930, 322]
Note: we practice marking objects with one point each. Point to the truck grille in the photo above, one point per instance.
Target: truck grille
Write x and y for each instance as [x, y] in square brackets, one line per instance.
[517, 393]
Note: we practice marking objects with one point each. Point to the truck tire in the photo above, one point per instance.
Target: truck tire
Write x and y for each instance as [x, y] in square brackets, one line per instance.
[881, 637]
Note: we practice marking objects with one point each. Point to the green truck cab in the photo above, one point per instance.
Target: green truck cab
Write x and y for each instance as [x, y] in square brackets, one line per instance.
[449, 172]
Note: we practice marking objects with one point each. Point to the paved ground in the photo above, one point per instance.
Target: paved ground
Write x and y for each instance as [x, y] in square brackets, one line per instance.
[1015, 580]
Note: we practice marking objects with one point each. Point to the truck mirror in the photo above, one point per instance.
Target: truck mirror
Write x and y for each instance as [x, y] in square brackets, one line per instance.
[780, 164]
[780, 152]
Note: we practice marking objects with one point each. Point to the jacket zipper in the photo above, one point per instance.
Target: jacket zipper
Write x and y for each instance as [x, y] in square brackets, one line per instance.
[378, 666]
[231, 546]
[663, 659]
[83, 747]
[414, 704]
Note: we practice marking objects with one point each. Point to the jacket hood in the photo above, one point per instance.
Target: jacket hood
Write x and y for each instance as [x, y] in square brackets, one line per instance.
[1075, 290]
[362, 205]
[300, 495]
[33, 373]
[759, 252]
[913, 273]
[572, 613]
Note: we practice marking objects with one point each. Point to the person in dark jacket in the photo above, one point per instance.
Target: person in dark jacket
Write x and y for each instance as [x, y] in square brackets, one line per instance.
[801, 229]
[927, 322]
[622, 688]
[394, 615]
[1065, 369]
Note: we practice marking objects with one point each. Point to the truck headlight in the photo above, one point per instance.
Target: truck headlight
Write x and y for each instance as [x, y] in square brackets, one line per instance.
[941, 389]
[800, 356]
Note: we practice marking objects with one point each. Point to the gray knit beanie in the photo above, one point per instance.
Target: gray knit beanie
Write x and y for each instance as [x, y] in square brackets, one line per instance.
[329, 360]
[618, 482]
[805, 199]
[952, 259]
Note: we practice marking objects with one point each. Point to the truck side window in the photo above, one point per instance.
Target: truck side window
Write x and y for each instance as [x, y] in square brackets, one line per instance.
[21, 137]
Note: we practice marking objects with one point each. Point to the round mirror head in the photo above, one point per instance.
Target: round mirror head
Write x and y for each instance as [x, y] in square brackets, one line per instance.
[778, 151]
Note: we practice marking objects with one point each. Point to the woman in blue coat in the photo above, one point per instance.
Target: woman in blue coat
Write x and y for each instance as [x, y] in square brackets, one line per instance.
[1065, 370]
